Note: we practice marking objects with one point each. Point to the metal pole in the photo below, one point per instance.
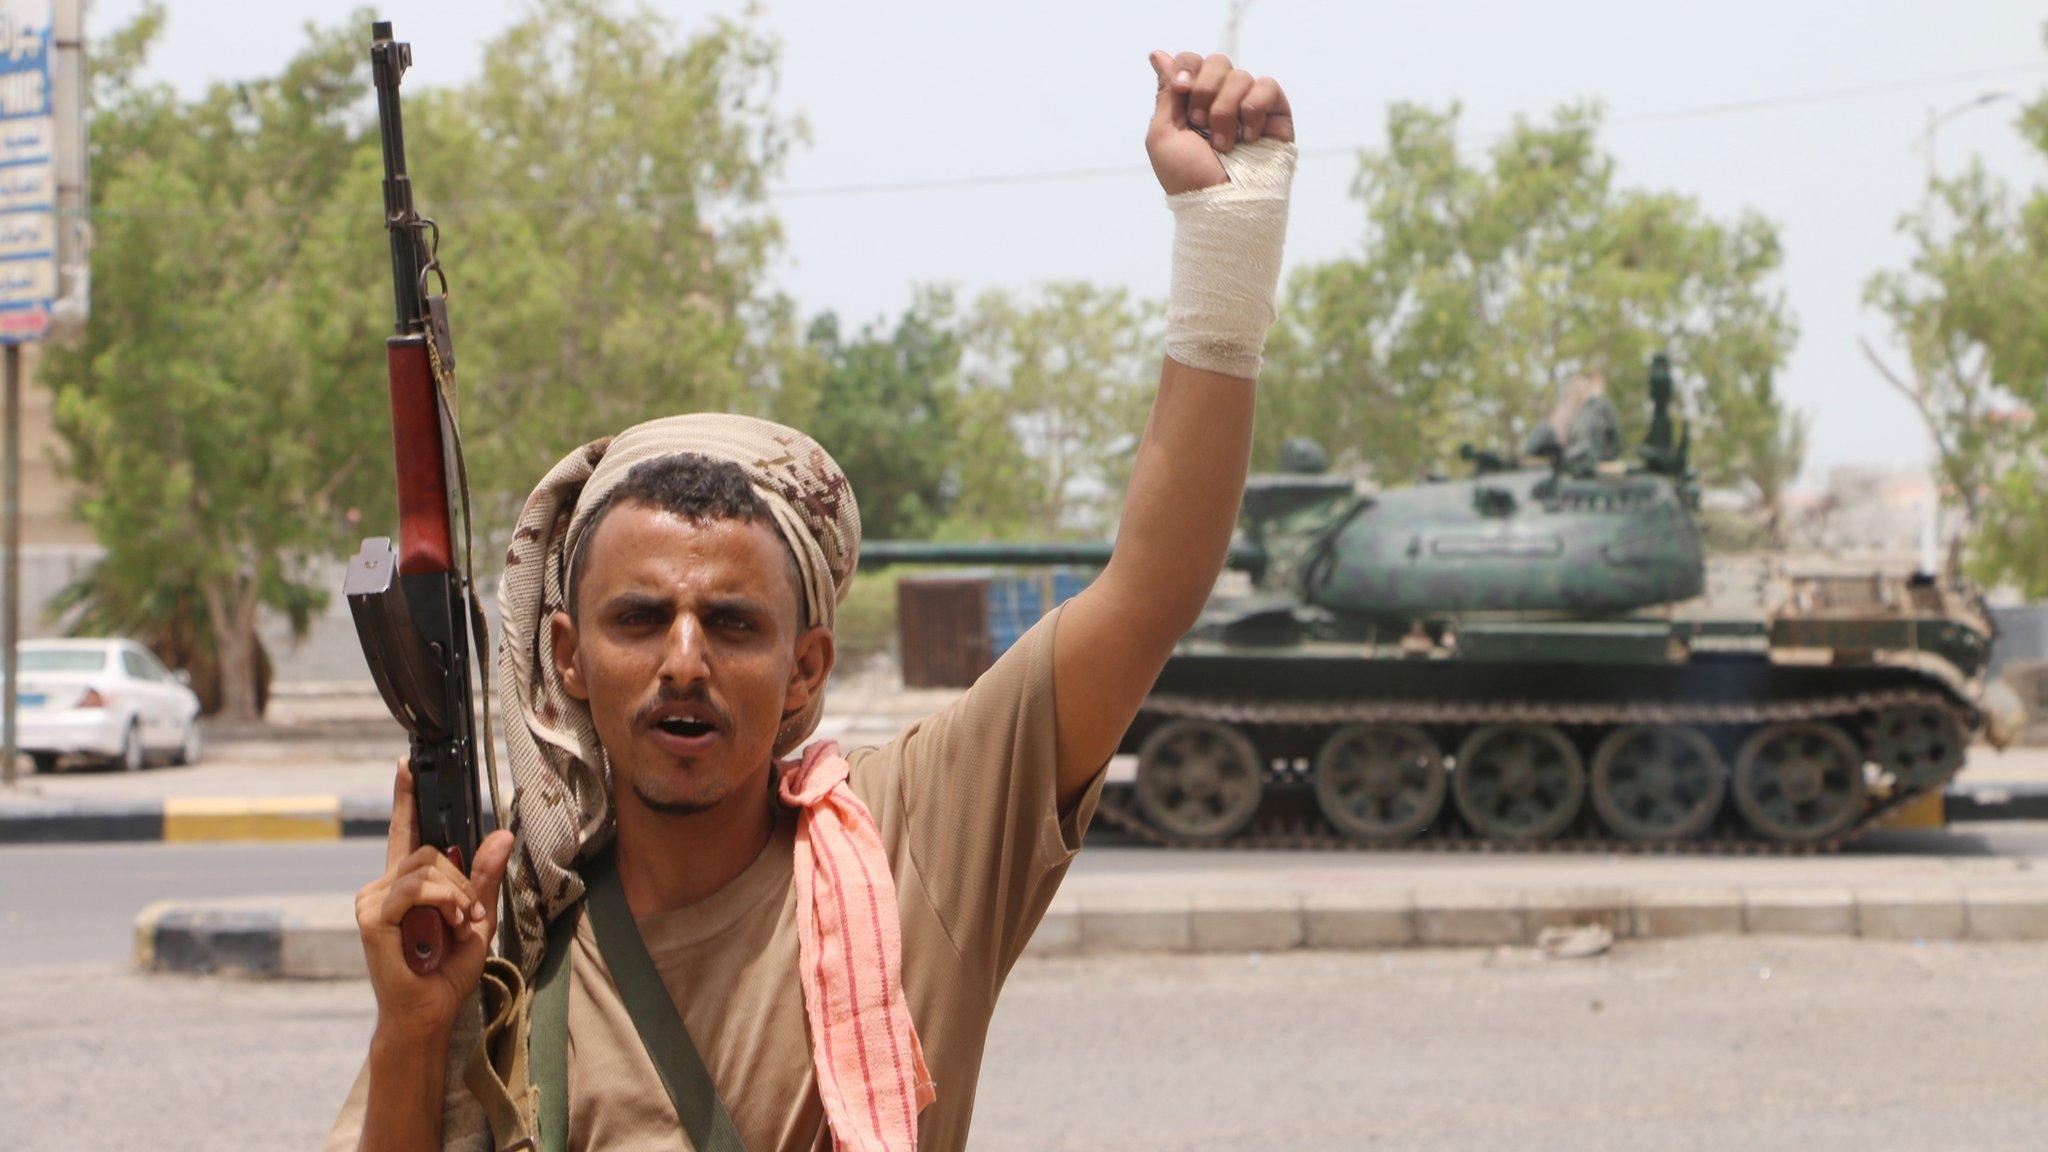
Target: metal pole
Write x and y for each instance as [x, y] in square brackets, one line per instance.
[1930, 516]
[10, 512]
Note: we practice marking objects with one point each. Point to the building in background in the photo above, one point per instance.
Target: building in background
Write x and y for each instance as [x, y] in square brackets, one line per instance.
[56, 547]
[1883, 513]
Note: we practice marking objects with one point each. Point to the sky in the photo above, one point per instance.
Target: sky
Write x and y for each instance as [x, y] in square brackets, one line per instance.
[1829, 99]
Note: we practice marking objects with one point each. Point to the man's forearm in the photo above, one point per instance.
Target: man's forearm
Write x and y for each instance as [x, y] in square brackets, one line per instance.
[1178, 515]
[1181, 506]
[406, 1090]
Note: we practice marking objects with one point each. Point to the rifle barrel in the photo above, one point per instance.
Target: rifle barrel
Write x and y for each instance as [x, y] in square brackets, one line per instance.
[388, 61]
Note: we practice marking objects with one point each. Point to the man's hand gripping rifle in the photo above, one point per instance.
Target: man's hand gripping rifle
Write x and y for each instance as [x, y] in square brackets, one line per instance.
[414, 608]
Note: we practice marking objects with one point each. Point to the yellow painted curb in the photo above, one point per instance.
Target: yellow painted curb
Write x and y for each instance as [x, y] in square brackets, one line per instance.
[201, 818]
[1925, 812]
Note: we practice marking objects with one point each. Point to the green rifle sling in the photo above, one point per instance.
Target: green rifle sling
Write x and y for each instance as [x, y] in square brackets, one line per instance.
[654, 1017]
[548, 1034]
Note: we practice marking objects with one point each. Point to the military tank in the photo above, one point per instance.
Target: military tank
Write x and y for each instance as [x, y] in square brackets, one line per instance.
[1528, 656]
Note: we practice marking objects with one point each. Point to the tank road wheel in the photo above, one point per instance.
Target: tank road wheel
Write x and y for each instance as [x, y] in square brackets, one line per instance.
[1380, 781]
[1919, 744]
[1198, 779]
[1799, 781]
[1519, 782]
[1658, 782]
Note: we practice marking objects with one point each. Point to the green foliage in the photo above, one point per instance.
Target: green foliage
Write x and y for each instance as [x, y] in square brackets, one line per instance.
[1056, 389]
[1728, 530]
[1013, 420]
[1484, 287]
[601, 187]
[1971, 311]
[887, 409]
[1756, 446]
[866, 623]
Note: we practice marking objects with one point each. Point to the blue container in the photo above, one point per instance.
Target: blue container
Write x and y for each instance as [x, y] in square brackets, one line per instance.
[1017, 601]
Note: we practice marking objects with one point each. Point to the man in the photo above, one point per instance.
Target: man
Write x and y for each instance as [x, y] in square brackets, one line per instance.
[830, 933]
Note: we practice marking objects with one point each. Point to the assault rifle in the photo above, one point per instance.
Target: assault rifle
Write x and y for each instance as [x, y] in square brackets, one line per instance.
[413, 605]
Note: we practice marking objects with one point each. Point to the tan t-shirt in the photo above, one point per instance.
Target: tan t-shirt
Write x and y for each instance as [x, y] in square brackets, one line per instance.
[967, 805]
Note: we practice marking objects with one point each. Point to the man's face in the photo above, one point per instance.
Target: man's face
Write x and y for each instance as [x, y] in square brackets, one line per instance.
[687, 649]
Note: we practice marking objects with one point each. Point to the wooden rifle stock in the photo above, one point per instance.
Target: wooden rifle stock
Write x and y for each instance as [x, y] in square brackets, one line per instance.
[426, 547]
[426, 538]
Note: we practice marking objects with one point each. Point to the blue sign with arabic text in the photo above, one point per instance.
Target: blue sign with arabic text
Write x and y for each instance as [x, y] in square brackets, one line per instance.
[28, 177]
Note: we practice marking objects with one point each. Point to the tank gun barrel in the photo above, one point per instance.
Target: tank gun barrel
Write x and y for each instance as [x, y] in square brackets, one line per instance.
[1091, 553]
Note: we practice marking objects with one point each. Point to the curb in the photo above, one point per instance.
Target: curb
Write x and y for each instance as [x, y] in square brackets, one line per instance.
[69, 822]
[193, 819]
[300, 937]
[197, 819]
[1095, 923]
[1997, 802]
[314, 937]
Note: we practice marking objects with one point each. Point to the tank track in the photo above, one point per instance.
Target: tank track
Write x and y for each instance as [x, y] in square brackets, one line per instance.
[1299, 825]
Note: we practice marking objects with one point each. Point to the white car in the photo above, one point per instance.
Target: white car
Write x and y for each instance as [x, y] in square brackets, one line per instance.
[107, 699]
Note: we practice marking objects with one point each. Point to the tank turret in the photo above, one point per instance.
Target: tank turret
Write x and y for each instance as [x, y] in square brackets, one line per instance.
[1565, 529]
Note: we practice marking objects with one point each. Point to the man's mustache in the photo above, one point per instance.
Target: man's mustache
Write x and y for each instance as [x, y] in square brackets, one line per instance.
[694, 694]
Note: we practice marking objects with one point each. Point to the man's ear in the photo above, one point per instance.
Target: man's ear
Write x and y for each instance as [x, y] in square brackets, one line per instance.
[562, 633]
[815, 653]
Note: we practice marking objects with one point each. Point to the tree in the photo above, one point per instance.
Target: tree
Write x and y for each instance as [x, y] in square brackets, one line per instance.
[1758, 446]
[1482, 288]
[1971, 312]
[886, 407]
[1056, 390]
[214, 410]
[602, 186]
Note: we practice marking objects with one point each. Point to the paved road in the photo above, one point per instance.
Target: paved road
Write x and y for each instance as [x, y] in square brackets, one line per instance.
[71, 904]
[1762, 1045]
[76, 903]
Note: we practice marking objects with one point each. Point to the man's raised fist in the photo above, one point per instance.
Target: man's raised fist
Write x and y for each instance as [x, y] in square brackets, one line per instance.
[1206, 106]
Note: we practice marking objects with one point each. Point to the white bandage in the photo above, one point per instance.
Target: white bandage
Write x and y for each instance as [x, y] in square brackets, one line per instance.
[1227, 241]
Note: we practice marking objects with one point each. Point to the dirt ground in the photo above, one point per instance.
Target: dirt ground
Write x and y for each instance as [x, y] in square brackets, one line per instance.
[1758, 1044]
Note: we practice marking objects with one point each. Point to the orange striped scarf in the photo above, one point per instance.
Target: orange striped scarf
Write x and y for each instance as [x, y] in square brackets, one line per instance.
[871, 1071]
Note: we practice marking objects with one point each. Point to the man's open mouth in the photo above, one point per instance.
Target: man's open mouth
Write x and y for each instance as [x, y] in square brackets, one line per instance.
[685, 726]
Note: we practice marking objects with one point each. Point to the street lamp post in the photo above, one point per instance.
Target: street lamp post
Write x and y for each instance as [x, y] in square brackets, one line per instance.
[1924, 143]
[1231, 24]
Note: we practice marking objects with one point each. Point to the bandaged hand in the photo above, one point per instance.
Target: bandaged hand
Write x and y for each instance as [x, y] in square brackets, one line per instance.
[1222, 145]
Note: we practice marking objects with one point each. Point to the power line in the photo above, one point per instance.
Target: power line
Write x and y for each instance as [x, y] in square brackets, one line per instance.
[1121, 171]
[1697, 112]
[1825, 96]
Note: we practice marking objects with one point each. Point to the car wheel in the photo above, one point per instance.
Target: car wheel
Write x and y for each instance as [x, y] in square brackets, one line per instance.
[190, 748]
[45, 762]
[132, 758]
